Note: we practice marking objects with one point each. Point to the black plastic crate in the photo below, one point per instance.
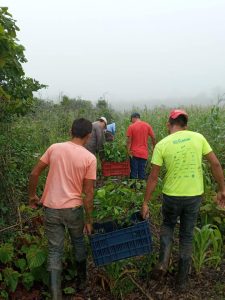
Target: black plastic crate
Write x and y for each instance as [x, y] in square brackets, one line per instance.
[116, 244]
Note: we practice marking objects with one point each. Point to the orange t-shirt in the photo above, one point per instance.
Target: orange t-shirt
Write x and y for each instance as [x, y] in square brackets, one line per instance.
[139, 133]
[69, 164]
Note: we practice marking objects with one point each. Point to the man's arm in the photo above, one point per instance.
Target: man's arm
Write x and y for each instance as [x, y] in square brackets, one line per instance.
[153, 141]
[152, 136]
[99, 138]
[33, 181]
[151, 185]
[218, 175]
[129, 140]
[88, 189]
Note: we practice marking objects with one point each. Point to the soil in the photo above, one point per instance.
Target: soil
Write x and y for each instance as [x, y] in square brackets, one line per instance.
[210, 285]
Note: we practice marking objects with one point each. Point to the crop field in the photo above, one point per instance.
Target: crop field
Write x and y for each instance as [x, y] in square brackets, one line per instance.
[23, 248]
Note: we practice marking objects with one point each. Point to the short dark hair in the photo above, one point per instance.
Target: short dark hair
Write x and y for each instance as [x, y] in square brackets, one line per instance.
[181, 121]
[135, 115]
[81, 128]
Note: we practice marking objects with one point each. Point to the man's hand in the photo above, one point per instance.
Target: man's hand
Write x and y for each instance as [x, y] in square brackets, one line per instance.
[221, 198]
[101, 154]
[151, 185]
[130, 153]
[129, 146]
[88, 229]
[145, 211]
[88, 188]
[34, 201]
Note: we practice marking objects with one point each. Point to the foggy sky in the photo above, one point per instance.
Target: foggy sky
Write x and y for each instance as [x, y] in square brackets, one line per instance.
[128, 51]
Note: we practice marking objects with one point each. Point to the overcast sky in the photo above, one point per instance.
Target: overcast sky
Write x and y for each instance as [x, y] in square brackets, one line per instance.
[128, 51]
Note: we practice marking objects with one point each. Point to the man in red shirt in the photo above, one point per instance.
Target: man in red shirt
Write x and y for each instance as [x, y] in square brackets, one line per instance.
[137, 145]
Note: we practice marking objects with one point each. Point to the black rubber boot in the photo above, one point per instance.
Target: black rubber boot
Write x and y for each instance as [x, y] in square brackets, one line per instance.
[183, 271]
[81, 278]
[164, 257]
[55, 282]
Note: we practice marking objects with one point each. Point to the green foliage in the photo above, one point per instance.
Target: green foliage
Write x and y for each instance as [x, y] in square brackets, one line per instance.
[40, 275]
[36, 256]
[211, 213]
[4, 294]
[69, 291]
[6, 253]
[207, 247]
[16, 90]
[116, 277]
[11, 278]
[115, 151]
[77, 104]
[21, 264]
[144, 265]
[115, 201]
[23, 142]
[28, 280]
[23, 260]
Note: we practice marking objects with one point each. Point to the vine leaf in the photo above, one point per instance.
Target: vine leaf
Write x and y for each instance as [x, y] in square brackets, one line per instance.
[11, 278]
[6, 253]
[36, 256]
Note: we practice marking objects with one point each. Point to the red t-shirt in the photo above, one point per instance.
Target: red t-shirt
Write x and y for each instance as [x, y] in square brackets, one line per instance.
[139, 133]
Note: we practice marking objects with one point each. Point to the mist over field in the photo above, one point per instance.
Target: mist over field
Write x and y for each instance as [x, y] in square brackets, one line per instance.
[128, 52]
[168, 102]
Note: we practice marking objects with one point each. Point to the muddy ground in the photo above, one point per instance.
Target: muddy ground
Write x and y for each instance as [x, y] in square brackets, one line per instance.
[209, 285]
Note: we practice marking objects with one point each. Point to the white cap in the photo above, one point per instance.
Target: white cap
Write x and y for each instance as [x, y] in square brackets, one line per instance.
[104, 120]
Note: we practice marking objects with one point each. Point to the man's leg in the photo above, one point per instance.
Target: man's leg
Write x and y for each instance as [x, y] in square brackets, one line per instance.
[170, 211]
[75, 224]
[133, 167]
[55, 235]
[188, 220]
[141, 168]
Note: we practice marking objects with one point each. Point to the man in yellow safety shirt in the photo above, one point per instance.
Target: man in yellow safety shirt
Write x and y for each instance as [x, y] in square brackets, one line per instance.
[181, 152]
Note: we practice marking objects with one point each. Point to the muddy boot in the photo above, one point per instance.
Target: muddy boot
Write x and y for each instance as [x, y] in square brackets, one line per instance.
[164, 258]
[183, 271]
[81, 278]
[55, 282]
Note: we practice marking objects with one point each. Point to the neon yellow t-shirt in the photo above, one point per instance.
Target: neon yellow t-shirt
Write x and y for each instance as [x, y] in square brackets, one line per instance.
[182, 152]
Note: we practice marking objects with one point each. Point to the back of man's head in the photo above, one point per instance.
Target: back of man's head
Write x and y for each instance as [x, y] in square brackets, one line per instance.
[134, 116]
[178, 117]
[81, 128]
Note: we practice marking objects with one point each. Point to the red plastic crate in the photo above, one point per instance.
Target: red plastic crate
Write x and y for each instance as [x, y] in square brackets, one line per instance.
[116, 168]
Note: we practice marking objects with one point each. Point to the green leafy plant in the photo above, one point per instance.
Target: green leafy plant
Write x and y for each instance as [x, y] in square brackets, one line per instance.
[117, 201]
[36, 256]
[115, 277]
[11, 278]
[211, 213]
[28, 280]
[6, 253]
[16, 90]
[4, 295]
[207, 247]
[115, 151]
[23, 142]
[22, 260]
[69, 291]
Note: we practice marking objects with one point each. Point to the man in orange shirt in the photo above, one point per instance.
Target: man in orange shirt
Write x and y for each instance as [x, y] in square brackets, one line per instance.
[72, 171]
[137, 145]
